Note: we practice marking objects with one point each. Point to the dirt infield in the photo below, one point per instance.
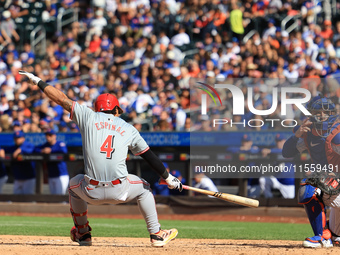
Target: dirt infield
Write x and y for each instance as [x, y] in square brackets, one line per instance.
[32, 245]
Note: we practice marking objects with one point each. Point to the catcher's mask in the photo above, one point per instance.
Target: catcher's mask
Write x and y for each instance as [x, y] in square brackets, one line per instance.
[106, 103]
[323, 116]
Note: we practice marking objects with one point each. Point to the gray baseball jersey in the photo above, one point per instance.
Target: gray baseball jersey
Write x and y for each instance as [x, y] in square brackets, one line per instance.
[106, 141]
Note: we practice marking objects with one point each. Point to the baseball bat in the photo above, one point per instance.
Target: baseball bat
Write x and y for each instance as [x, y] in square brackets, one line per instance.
[224, 196]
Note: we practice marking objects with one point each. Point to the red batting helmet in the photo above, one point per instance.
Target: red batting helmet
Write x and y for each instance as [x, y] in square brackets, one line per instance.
[106, 102]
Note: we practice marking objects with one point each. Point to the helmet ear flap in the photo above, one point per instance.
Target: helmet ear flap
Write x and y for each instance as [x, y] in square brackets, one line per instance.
[120, 111]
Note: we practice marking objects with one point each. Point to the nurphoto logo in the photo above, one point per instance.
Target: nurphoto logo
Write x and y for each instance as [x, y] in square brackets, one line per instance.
[204, 97]
[238, 104]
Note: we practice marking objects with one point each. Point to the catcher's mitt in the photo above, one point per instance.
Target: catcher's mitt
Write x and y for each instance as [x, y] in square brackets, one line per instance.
[328, 182]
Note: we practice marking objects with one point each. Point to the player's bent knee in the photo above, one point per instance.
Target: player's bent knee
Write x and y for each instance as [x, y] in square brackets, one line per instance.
[75, 180]
[306, 193]
[72, 194]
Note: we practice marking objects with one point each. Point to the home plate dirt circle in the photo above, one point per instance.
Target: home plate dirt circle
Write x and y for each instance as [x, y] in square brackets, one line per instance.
[47, 245]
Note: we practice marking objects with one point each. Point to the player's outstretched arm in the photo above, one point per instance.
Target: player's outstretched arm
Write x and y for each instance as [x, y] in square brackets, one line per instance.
[54, 94]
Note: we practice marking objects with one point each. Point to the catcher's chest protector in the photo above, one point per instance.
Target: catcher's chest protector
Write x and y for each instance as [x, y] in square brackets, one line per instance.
[332, 157]
[320, 149]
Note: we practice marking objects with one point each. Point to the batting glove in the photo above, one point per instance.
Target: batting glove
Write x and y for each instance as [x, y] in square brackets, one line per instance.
[34, 79]
[174, 183]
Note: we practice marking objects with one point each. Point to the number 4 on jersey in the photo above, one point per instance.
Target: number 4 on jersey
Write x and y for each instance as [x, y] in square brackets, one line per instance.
[107, 146]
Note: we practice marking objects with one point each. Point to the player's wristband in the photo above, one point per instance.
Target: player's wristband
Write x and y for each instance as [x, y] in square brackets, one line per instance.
[42, 85]
[170, 178]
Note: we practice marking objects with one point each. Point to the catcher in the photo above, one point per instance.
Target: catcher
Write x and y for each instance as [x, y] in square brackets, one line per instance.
[319, 134]
[106, 140]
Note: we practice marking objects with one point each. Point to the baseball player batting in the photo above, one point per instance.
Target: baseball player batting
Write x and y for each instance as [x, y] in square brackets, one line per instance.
[320, 136]
[106, 140]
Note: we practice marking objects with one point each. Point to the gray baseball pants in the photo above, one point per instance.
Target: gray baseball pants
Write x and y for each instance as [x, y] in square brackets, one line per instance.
[82, 192]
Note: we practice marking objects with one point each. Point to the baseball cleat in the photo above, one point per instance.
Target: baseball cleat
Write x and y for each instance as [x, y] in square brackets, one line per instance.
[163, 237]
[317, 242]
[83, 239]
[336, 240]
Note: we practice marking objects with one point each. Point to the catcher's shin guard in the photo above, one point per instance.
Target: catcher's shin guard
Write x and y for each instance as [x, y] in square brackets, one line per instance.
[310, 198]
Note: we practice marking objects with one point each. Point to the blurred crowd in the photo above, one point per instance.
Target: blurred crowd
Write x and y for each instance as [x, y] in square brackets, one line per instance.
[147, 52]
